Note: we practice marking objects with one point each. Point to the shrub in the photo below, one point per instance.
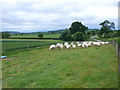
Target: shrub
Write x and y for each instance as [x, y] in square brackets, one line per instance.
[78, 36]
[66, 36]
[40, 35]
[5, 35]
[115, 34]
[110, 35]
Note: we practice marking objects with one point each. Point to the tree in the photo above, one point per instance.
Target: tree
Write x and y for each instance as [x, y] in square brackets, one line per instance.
[87, 35]
[106, 27]
[77, 27]
[40, 35]
[110, 35]
[93, 33]
[100, 34]
[66, 35]
[77, 31]
[115, 34]
[5, 35]
[78, 36]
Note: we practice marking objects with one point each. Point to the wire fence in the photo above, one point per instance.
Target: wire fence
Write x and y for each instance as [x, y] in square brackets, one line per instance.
[12, 46]
[117, 48]
[115, 44]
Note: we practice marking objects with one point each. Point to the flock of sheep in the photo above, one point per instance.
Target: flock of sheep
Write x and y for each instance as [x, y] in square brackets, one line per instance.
[66, 45]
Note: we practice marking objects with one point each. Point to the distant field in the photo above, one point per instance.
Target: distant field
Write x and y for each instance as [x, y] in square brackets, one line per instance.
[75, 68]
[52, 36]
[25, 36]
[35, 36]
[28, 40]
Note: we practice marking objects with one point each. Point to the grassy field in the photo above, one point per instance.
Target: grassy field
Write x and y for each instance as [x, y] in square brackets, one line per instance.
[75, 68]
[35, 36]
[13, 44]
[52, 36]
[29, 40]
[25, 36]
[110, 39]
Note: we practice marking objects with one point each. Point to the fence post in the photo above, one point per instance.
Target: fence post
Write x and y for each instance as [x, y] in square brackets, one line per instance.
[115, 44]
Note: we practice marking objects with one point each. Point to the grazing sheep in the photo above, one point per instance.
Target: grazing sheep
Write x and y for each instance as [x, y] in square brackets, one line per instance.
[83, 45]
[74, 46]
[72, 43]
[84, 42]
[99, 44]
[86, 45]
[67, 46]
[96, 43]
[79, 45]
[59, 45]
[89, 44]
[66, 43]
[102, 43]
[52, 47]
[106, 42]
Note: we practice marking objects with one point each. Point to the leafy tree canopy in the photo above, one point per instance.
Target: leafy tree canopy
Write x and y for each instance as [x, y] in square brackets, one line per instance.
[40, 35]
[78, 36]
[106, 26]
[77, 27]
[5, 35]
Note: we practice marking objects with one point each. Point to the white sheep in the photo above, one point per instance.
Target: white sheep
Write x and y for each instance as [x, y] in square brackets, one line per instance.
[89, 44]
[96, 43]
[106, 42]
[67, 46]
[86, 45]
[102, 43]
[74, 46]
[84, 42]
[83, 45]
[52, 46]
[66, 43]
[79, 45]
[59, 45]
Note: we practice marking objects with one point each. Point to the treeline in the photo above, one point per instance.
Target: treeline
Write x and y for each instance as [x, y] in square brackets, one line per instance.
[5, 35]
[45, 33]
[80, 32]
[77, 32]
[54, 32]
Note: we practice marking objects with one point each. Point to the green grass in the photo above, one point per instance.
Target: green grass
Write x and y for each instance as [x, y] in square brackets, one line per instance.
[25, 36]
[116, 39]
[35, 36]
[109, 39]
[9, 45]
[52, 36]
[75, 68]
[29, 39]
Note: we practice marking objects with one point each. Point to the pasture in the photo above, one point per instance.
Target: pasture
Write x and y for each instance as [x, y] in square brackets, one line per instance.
[74, 68]
[51, 36]
[14, 44]
[35, 36]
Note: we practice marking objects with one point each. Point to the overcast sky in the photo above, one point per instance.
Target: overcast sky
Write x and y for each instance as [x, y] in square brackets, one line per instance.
[46, 15]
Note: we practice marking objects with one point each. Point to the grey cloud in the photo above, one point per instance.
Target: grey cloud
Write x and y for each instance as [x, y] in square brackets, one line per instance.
[46, 15]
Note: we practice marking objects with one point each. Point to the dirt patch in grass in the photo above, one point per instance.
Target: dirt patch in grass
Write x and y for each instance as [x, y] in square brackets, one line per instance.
[7, 59]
